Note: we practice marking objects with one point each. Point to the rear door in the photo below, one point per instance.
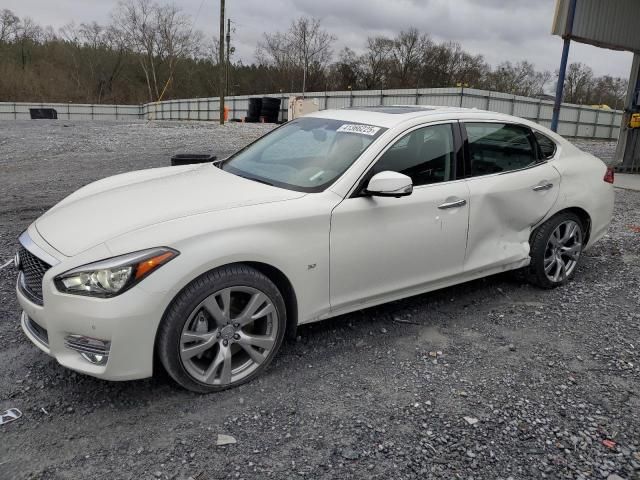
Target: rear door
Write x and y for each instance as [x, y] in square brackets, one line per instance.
[511, 188]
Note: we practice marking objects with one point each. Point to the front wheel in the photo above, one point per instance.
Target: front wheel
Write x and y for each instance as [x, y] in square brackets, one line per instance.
[556, 247]
[222, 330]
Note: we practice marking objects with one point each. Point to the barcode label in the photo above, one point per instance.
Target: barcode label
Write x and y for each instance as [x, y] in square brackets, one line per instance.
[361, 129]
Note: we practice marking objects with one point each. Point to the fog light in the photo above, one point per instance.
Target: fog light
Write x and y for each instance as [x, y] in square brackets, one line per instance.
[93, 350]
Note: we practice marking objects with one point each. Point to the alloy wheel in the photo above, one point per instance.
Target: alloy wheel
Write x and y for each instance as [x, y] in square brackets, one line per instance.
[229, 335]
[563, 250]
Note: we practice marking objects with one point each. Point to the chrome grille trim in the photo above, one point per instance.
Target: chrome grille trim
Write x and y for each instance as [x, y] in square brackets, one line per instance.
[81, 347]
[92, 350]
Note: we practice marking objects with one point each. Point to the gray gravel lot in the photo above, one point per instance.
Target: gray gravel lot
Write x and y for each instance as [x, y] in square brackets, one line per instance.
[542, 377]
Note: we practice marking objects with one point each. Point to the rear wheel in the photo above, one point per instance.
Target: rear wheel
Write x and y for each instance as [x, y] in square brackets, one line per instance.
[556, 247]
[222, 330]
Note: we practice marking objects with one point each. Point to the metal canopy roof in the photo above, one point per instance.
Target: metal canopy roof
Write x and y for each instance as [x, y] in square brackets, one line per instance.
[604, 23]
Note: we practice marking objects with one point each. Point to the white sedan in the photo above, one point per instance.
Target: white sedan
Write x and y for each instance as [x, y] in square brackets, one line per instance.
[207, 267]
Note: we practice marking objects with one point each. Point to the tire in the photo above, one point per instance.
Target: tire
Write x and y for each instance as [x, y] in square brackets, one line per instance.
[222, 330]
[554, 246]
[255, 105]
[271, 103]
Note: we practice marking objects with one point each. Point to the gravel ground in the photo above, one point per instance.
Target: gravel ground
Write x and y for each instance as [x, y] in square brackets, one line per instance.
[492, 379]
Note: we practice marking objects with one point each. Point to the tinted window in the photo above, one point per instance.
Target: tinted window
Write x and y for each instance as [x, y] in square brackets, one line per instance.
[499, 147]
[426, 155]
[547, 146]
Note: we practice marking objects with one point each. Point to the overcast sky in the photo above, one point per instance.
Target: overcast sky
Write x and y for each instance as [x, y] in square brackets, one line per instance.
[498, 29]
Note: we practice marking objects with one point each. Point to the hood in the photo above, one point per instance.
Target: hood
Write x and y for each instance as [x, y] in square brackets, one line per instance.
[117, 205]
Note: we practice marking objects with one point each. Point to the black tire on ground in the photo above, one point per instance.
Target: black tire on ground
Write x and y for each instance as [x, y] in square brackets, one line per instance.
[175, 317]
[535, 273]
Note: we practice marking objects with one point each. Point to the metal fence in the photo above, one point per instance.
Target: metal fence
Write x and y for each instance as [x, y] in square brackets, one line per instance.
[72, 111]
[575, 120]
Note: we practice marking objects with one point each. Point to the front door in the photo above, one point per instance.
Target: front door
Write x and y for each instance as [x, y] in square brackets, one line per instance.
[381, 247]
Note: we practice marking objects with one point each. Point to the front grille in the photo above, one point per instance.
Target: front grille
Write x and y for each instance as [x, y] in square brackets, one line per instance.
[37, 331]
[33, 269]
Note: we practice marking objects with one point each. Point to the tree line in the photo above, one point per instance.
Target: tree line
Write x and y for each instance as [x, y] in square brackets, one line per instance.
[150, 51]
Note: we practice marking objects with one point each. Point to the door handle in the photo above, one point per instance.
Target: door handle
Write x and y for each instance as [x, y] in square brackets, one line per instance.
[452, 204]
[543, 186]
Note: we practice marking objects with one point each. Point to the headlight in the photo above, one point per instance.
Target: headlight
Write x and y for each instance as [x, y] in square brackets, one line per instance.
[111, 277]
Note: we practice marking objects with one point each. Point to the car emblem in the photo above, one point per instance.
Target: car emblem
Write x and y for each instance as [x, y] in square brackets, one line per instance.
[227, 332]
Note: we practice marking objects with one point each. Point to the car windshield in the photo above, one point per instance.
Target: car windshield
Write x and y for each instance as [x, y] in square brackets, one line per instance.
[306, 154]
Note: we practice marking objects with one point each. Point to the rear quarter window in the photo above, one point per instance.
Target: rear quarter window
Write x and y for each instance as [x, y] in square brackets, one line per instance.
[547, 146]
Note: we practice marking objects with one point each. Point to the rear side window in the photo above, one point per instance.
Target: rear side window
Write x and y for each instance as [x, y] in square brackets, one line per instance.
[547, 146]
[499, 147]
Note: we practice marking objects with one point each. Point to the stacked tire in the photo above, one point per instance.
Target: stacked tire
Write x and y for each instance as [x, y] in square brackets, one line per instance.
[270, 110]
[255, 107]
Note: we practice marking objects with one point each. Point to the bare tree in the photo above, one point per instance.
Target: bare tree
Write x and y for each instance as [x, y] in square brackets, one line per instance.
[406, 51]
[305, 47]
[375, 62]
[609, 91]
[160, 35]
[346, 71]
[519, 79]
[578, 83]
[311, 44]
[9, 23]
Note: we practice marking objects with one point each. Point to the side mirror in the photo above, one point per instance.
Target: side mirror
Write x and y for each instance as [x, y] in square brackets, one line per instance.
[389, 184]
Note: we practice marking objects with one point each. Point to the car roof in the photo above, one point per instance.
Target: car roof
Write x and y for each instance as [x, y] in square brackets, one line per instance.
[392, 115]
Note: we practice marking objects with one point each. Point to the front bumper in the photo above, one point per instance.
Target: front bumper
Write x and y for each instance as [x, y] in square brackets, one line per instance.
[125, 324]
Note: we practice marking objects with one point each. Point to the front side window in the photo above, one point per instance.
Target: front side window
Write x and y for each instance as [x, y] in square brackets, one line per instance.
[307, 154]
[499, 147]
[426, 155]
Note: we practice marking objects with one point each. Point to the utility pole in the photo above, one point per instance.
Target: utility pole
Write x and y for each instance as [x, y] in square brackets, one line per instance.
[221, 62]
[227, 65]
[304, 59]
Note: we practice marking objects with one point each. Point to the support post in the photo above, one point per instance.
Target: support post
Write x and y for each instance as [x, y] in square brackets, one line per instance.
[563, 65]
[627, 139]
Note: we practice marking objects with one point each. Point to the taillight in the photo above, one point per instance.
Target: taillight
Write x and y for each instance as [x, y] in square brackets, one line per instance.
[609, 177]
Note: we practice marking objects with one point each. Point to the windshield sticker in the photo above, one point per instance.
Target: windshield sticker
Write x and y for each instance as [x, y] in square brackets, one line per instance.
[361, 129]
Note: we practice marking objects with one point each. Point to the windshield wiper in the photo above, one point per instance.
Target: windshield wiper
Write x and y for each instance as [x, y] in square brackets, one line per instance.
[255, 179]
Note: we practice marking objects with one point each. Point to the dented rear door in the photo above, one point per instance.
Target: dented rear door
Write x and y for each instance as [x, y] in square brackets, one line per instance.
[504, 205]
